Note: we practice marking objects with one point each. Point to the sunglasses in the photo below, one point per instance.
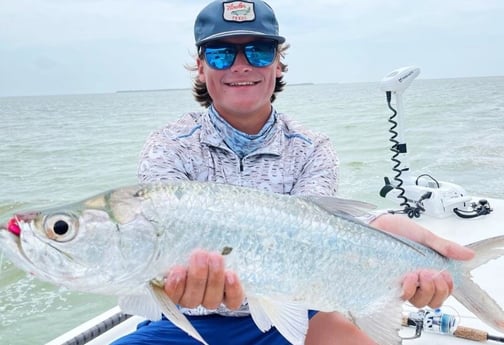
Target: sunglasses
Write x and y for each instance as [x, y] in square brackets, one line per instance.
[221, 55]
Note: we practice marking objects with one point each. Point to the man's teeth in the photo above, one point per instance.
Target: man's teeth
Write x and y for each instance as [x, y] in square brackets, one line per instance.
[245, 83]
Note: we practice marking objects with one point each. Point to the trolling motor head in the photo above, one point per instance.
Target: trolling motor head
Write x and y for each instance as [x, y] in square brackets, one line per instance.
[398, 80]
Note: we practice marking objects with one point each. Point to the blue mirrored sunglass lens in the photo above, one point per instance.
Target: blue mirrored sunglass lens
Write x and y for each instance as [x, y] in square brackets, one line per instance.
[220, 58]
[260, 54]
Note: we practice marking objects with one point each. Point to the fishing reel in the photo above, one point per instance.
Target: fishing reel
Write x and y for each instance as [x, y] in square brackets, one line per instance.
[422, 194]
[437, 321]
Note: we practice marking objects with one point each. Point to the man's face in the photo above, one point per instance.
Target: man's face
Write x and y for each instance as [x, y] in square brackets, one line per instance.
[242, 89]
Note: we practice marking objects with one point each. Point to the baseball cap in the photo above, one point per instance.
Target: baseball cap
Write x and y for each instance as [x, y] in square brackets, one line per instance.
[221, 19]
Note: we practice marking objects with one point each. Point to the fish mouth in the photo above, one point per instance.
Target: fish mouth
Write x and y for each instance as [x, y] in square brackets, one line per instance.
[10, 231]
[10, 241]
[10, 238]
[12, 226]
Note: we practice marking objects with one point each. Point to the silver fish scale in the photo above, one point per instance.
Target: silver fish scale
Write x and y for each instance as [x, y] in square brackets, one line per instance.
[286, 246]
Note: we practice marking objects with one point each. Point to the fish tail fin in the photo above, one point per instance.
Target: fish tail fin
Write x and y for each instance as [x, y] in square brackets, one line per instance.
[473, 297]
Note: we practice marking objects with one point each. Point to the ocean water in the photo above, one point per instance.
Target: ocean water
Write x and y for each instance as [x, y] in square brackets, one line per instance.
[59, 149]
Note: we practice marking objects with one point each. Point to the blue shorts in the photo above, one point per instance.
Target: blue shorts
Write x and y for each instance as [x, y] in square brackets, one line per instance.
[215, 329]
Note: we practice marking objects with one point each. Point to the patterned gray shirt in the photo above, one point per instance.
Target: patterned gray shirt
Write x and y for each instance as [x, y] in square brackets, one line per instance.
[293, 160]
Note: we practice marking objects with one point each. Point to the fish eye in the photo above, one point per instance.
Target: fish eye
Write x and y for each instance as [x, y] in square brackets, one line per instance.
[60, 227]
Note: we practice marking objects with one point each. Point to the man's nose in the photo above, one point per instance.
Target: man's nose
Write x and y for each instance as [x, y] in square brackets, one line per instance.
[241, 61]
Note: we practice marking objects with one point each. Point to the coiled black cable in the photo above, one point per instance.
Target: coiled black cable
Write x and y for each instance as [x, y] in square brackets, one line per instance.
[395, 149]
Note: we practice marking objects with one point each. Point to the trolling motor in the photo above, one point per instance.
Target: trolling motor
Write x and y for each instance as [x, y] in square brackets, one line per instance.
[422, 194]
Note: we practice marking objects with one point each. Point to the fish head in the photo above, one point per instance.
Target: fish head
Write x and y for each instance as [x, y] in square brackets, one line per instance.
[89, 246]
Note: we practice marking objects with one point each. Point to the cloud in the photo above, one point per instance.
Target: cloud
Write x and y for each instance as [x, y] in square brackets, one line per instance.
[55, 22]
[59, 46]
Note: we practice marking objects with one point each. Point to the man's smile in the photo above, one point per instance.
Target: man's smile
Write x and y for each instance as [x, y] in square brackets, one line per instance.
[242, 83]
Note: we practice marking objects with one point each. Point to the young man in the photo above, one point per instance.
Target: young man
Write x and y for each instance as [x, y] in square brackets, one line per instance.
[241, 139]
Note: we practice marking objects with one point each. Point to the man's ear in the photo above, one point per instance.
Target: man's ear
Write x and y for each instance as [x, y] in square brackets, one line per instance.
[279, 72]
[201, 70]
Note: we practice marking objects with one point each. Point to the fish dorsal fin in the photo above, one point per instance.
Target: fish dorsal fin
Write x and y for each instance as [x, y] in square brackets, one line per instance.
[384, 324]
[340, 206]
[142, 305]
[173, 314]
[290, 318]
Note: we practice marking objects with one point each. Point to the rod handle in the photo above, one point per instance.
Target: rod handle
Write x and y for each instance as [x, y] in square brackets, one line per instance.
[470, 333]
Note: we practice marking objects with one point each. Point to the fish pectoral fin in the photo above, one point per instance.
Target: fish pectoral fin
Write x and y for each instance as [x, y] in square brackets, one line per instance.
[383, 325]
[142, 305]
[172, 313]
[290, 318]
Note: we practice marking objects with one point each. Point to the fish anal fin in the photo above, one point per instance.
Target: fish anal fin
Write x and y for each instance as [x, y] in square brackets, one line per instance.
[383, 325]
[288, 317]
[259, 315]
[172, 313]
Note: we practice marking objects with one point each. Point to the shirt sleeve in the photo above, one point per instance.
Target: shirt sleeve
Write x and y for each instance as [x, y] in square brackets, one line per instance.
[161, 159]
[320, 173]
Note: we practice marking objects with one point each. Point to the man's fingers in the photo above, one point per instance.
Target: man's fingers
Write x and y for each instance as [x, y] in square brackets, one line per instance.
[197, 275]
[443, 288]
[233, 291]
[433, 289]
[174, 284]
[410, 286]
[214, 292]
[425, 290]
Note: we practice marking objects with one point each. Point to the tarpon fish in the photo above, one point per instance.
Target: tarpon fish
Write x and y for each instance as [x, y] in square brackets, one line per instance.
[241, 12]
[291, 254]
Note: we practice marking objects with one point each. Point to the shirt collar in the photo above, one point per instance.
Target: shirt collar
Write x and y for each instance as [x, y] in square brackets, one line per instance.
[271, 145]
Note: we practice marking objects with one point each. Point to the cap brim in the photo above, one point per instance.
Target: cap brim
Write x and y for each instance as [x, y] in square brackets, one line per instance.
[237, 33]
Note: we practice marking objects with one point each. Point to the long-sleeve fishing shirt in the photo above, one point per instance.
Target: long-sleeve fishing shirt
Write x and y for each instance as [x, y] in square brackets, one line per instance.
[292, 160]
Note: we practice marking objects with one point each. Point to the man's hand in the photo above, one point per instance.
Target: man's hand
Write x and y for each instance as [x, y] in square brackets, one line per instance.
[424, 287]
[205, 282]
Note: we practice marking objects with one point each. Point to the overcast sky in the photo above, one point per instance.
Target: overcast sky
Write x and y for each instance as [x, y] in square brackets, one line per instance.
[95, 46]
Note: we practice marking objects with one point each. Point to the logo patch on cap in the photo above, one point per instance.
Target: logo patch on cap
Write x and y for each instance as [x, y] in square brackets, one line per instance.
[239, 11]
